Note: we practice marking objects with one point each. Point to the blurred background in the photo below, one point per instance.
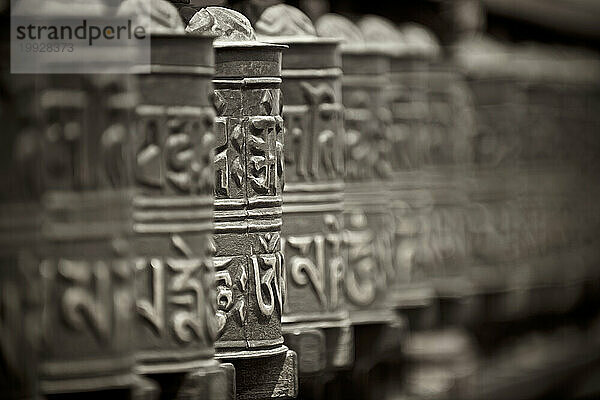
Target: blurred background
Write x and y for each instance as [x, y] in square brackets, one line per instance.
[513, 100]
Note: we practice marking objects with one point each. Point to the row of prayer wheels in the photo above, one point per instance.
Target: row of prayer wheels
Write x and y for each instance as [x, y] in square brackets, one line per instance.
[269, 210]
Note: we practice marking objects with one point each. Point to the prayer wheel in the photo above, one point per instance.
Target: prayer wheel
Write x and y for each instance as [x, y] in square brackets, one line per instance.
[173, 218]
[315, 314]
[368, 220]
[249, 169]
[69, 203]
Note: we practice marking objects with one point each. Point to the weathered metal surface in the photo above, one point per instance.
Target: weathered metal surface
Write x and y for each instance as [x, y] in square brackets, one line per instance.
[527, 186]
[20, 297]
[368, 221]
[313, 195]
[86, 274]
[75, 224]
[410, 51]
[551, 184]
[368, 227]
[69, 203]
[173, 220]
[172, 207]
[249, 170]
[445, 256]
[494, 215]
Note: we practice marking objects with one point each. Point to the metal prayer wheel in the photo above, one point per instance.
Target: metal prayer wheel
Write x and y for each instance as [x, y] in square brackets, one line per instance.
[87, 276]
[551, 185]
[249, 168]
[411, 48]
[315, 314]
[20, 212]
[74, 217]
[495, 216]
[368, 221]
[368, 228]
[67, 197]
[444, 256]
[173, 219]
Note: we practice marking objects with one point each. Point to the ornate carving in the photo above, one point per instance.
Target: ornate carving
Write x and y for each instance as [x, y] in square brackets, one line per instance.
[232, 286]
[249, 183]
[265, 158]
[367, 144]
[368, 234]
[172, 156]
[88, 301]
[226, 24]
[268, 274]
[84, 308]
[313, 257]
[180, 295]
[363, 276]
[173, 211]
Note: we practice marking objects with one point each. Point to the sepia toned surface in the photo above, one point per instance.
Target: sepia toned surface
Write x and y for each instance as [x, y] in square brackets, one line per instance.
[249, 263]
[391, 202]
[315, 315]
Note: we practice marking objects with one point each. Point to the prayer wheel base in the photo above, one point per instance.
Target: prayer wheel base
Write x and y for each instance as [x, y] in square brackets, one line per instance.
[319, 348]
[213, 381]
[272, 376]
[145, 389]
[376, 346]
[418, 304]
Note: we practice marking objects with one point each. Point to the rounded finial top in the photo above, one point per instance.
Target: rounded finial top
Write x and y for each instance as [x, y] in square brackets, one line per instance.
[336, 26]
[284, 20]
[228, 25]
[420, 41]
[159, 16]
[381, 33]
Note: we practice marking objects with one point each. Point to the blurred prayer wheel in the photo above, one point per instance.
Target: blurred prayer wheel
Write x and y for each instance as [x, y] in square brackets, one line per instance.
[368, 223]
[173, 220]
[411, 49]
[315, 315]
[495, 219]
[368, 220]
[447, 160]
[70, 200]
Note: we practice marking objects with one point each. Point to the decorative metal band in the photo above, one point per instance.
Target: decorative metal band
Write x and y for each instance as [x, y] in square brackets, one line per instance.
[171, 361]
[247, 81]
[96, 382]
[316, 320]
[157, 110]
[293, 187]
[81, 215]
[173, 215]
[50, 98]
[248, 354]
[312, 197]
[123, 102]
[19, 224]
[312, 73]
